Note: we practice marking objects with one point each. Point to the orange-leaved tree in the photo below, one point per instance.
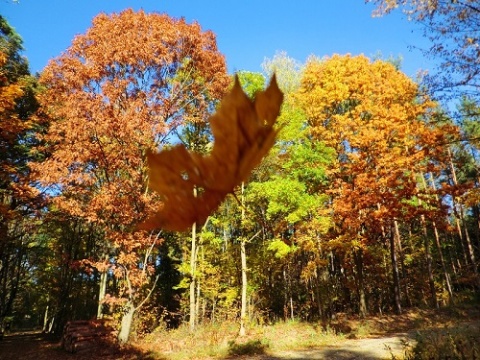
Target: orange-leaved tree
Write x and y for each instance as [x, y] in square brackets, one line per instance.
[119, 91]
[376, 119]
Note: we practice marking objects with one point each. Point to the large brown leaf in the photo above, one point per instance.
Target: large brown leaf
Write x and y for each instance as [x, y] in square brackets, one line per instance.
[192, 186]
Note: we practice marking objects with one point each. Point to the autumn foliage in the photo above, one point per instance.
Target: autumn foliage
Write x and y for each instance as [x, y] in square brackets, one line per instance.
[9, 94]
[375, 119]
[135, 80]
[353, 192]
[117, 93]
[13, 129]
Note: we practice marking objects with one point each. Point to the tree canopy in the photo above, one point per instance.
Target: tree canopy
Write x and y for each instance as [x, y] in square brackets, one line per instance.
[122, 89]
[143, 185]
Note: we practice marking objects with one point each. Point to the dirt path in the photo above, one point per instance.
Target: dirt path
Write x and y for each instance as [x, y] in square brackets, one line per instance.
[365, 349]
[27, 345]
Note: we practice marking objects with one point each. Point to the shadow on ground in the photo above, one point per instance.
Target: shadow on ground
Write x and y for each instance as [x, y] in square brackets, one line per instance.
[330, 354]
[366, 349]
[38, 346]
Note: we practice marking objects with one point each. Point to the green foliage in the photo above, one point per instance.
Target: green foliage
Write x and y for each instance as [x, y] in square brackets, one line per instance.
[280, 249]
[11, 43]
[286, 198]
[251, 82]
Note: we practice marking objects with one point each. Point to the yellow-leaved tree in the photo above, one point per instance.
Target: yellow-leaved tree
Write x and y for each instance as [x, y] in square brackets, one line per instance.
[377, 120]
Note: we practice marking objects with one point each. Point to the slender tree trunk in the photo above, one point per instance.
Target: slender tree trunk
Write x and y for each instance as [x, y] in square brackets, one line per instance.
[243, 311]
[475, 208]
[126, 324]
[469, 247]
[45, 320]
[395, 274]
[358, 257]
[317, 295]
[292, 314]
[214, 303]
[285, 294]
[471, 251]
[460, 234]
[243, 259]
[198, 317]
[402, 263]
[130, 308]
[288, 287]
[428, 258]
[102, 291]
[50, 325]
[446, 275]
[396, 278]
[193, 264]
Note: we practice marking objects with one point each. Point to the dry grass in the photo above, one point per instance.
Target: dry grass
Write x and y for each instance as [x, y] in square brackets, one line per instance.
[215, 341]
[453, 330]
[221, 341]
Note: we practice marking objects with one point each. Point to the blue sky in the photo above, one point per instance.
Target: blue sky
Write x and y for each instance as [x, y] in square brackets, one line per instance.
[248, 31]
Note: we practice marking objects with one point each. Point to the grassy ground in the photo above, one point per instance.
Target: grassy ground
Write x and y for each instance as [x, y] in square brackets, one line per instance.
[452, 333]
[220, 341]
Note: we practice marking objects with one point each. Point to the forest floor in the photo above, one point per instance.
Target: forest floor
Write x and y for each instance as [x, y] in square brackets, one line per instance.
[382, 337]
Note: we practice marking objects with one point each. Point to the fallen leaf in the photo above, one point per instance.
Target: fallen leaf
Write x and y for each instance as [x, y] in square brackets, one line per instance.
[191, 185]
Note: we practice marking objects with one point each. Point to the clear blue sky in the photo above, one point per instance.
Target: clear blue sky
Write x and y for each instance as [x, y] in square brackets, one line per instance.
[247, 30]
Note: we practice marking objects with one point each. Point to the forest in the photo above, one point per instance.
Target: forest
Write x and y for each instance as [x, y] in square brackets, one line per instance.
[361, 198]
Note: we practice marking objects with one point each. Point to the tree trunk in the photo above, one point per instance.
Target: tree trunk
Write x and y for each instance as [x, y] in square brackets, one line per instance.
[214, 303]
[358, 257]
[319, 299]
[288, 287]
[192, 278]
[243, 259]
[469, 247]
[101, 293]
[50, 325]
[292, 315]
[402, 263]
[126, 324]
[198, 317]
[460, 234]
[471, 251]
[396, 279]
[446, 275]
[243, 311]
[428, 258]
[45, 320]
